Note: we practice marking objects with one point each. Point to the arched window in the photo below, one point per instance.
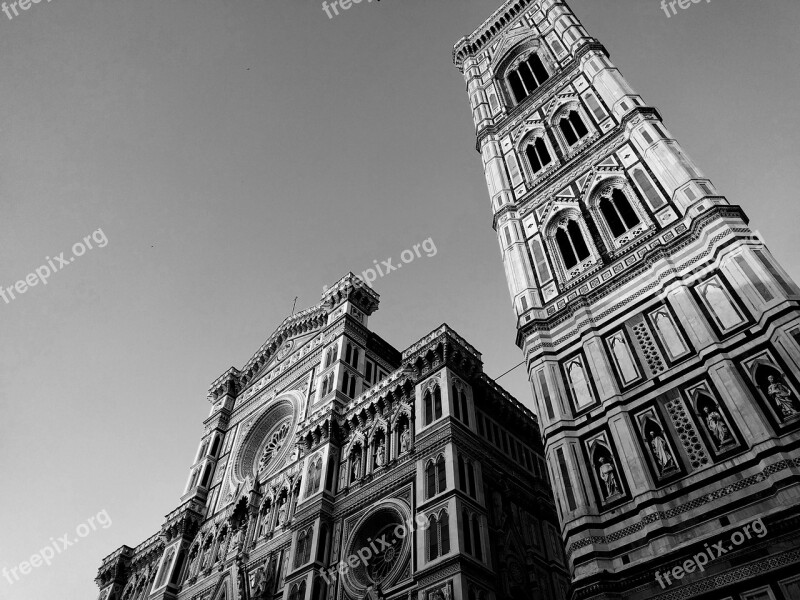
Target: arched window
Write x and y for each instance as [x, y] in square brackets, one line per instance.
[454, 393]
[433, 538]
[618, 213]
[355, 358]
[571, 244]
[464, 410]
[348, 353]
[444, 533]
[345, 381]
[428, 401]
[465, 526]
[437, 403]
[330, 356]
[441, 475]
[206, 475]
[430, 480]
[476, 536]
[462, 477]
[529, 75]
[215, 446]
[572, 127]
[323, 543]
[538, 155]
[300, 552]
[471, 478]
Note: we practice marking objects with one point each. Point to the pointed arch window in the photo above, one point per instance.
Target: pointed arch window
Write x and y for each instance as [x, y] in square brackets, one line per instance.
[466, 528]
[437, 403]
[428, 401]
[571, 244]
[476, 537]
[573, 127]
[464, 408]
[441, 475]
[618, 213]
[538, 155]
[529, 75]
[433, 538]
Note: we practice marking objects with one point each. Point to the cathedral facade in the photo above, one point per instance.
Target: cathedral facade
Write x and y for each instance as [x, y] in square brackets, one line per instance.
[661, 337]
[333, 466]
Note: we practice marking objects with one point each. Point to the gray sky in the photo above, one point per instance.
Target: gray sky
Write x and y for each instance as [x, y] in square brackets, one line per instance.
[239, 154]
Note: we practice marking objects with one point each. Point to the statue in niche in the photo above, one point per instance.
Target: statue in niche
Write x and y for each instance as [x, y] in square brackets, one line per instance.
[356, 470]
[222, 546]
[380, 453]
[716, 425]
[665, 461]
[609, 477]
[783, 397]
[405, 439]
[259, 584]
[283, 512]
[238, 541]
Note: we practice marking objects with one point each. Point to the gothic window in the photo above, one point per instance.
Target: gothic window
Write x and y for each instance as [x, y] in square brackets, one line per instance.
[165, 565]
[433, 538]
[215, 445]
[618, 213]
[562, 465]
[430, 480]
[476, 537]
[349, 385]
[456, 409]
[330, 356]
[348, 353]
[441, 475]
[471, 478]
[433, 405]
[538, 155]
[300, 552]
[572, 127]
[428, 401]
[464, 410]
[467, 530]
[571, 244]
[435, 477]
[368, 370]
[527, 77]
[206, 475]
[298, 592]
[444, 533]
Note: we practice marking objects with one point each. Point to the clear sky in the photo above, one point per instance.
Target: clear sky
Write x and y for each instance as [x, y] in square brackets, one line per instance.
[236, 154]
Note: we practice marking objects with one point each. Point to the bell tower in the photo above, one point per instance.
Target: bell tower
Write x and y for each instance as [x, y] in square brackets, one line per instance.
[661, 338]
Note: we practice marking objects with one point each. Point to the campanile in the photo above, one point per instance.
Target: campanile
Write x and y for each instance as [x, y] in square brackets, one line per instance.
[661, 337]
